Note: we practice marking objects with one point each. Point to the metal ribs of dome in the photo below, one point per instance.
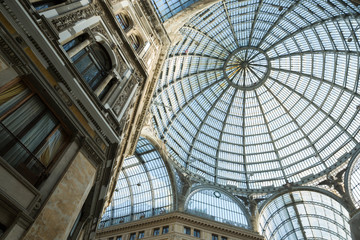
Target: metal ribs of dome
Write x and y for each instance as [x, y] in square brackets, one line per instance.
[295, 119]
[247, 68]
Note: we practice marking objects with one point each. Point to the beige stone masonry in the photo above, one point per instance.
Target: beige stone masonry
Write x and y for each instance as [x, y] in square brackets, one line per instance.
[59, 214]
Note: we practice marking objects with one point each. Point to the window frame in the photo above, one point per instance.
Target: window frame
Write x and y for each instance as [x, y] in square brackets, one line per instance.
[66, 133]
[156, 232]
[197, 233]
[132, 236]
[165, 230]
[187, 230]
[94, 62]
[214, 237]
[141, 235]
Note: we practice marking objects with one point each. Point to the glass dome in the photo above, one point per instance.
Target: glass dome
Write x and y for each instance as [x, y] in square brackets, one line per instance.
[262, 92]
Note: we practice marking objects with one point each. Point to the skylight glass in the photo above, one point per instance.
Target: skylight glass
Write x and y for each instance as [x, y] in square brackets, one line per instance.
[305, 215]
[143, 188]
[168, 8]
[218, 206]
[354, 182]
[261, 93]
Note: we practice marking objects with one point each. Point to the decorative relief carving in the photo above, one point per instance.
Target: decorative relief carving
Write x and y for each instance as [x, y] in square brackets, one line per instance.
[111, 121]
[125, 94]
[63, 96]
[123, 66]
[8, 52]
[139, 124]
[100, 29]
[89, 149]
[68, 20]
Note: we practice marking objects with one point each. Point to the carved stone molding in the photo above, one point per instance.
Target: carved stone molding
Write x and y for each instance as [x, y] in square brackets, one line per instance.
[121, 63]
[123, 97]
[90, 150]
[100, 29]
[65, 21]
[148, 97]
[63, 96]
[9, 53]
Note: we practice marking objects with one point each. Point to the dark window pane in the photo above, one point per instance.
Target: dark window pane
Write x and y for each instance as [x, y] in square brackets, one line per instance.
[133, 236]
[90, 74]
[83, 62]
[156, 231]
[165, 230]
[196, 233]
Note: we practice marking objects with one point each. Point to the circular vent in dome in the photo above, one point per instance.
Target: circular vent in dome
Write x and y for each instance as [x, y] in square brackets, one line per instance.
[254, 98]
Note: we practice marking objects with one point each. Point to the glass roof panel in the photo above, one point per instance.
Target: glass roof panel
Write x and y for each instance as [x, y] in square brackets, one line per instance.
[305, 215]
[217, 206]
[269, 85]
[354, 183]
[168, 8]
[143, 188]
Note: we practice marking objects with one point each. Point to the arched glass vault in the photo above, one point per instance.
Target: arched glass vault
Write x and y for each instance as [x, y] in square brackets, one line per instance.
[143, 188]
[260, 93]
[217, 205]
[304, 214]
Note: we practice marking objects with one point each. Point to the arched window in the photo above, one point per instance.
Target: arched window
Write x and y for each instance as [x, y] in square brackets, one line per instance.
[143, 188]
[135, 41]
[217, 206]
[92, 62]
[124, 20]
[305, 215]
[31, 137]
[43, 4]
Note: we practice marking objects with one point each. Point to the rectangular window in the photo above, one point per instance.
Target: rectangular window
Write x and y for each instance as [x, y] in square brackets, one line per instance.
[187, 230]
[215, 237]
[31, 137]
[196, 233]
[119, 238]
[223, 238]
[132, 236]
[165, 229]
[141, 235]
[156, 231]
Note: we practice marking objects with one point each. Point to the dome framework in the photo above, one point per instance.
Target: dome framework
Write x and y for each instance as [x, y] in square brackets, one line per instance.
[292, 115]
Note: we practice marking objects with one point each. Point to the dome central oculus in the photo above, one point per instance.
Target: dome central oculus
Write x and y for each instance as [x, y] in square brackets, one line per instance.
[247, 68]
